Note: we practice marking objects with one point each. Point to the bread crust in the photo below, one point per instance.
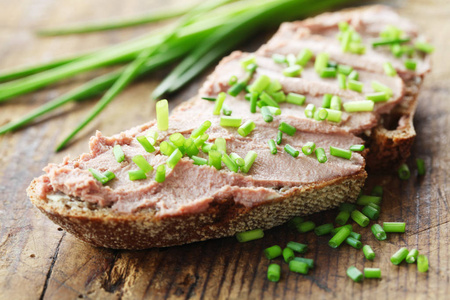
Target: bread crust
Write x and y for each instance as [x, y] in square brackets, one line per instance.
[143, 229]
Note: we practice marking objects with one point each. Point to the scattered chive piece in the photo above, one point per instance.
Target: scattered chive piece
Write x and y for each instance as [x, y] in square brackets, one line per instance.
[342, 217]
[420, 166]
[371, 212]
[321, 61]
[342, 81]
[218, 104]
[174, 158]
[334, 115]
[372, 273]
[230, 121]
[357, 48]
[354, 75]
[287, 128]
[390, 41]
[378, 232]
[335, 103]
[249, 160]
[237, 159]
[326, 101]
[236, 88]
[328, 72]
[306, 226]
[274, 110]
[167, 148]
[343, 69]
[266, 98]
[153, 136]
[410, 64]
[279, 97]
[354, 85]
[177, 139]
[296, 99]
[279, 137]
[304, 57]
[190, 147]
[424, 47]
[321, 114]
[297, 247]
[310, 110]
[251, 235]
[291, 150]
[298, 267]
[368, 252]
[346, 39]
[118, 153]
[274, 272]
[226, 110]
[272, 252]
[199, 161]
[99, 176]
[389, 69]
[377, 191]
[233, 80]
[338, 152]
[142, 163]
[355, 235]
[357, 106]
[136, 175]
[272, 146]
[230, 163]
[308, 261]
[321, 156]
[360, 218]
[160, 173]
[394, 226]
[376, 206]
[209, 98]
[399, 256]
[365, 200]
[267, 115]
[412, 256]
[247, 61]
[221, 144]
[403, 172]
[295, 221]
[353, 242]
[291, 59]
[348, 226]
[377, 97]
[379, 87]
[260, 84]
[274, 86]
[339, 237]
[162, 114]
[279, 58]
[349, 207]
[357, 148]
[288, 254]
[253, 100]
[246, 128]
[354, 274]
[308, 148]
[215, 159]
[109, 175]
[199, 141]
[323, 229]
[422, 263]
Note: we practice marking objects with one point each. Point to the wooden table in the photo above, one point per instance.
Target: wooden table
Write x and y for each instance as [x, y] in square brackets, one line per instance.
[39, 260]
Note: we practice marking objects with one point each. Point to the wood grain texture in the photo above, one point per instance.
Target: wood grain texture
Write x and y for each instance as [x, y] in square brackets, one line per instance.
[38, 261]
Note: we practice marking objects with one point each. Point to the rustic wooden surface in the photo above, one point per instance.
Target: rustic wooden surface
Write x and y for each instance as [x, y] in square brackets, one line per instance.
[39, 260]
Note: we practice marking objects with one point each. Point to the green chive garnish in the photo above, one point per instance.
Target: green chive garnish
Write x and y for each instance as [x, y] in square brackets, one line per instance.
[160, 173]
[272, 146]
[230, 121]
[274, 86]
[237, 159]
[379, 87]
[378, 232]
[354, 75]
[233, 80]
[288, 254]
[167, 148]
[354, 85]
[389, 69]
[424, 47]
[199, 141]
[353, 242]
[355, 235]
[142, 163]
[309, 110]
[291, 150]
[349, 207]
[358, 106]
[335, 103]
[371, 212]
[323, 229]
[377, 97]
[357, 148]
[268, 100]
[218, 104]
[190, 147]
[365, 200]
[360, 218]
[279, 137]
[342, 81]
[177, 139]
[308, 148]
[295, 221]
[221, 144]
[174, 158]
[249, 160]
[321, 114]
[287, 128]
[279, 97]
[246, 128]
[412, 256]
[304, 57]
[342, 217]
[260, 84]
[328, 72]
[306, 226]
[298, 267]
[394, 226]
[372, 273]
[118, 153]
[410, 64]
[420, 166]
[209, 98]
[297, 247]
[267, 115]
[278, 58]
[162, 114]
[338, 152]
[250, 235]
[403, 172]
[321, 62]
[293, 71]
[334, 115]
[336, 230]
[226, 110]
[136, 175]
[247, 61]
[326, 102]
[368, 252]
[354, 274]
[399, 256]
[390, 41]
[99, 176]
[339, 237]
[230, 163]
[215, 159]
[308, 261]
[274, 272]
[321, 156]
[291, 59]
[199, 161]
[376, 206]
[253, 99]
[422, 263]
[272, 252]
[296, 99]
[343, 69]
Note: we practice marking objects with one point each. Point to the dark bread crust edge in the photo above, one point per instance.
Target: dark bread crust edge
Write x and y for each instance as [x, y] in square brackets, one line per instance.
[143, 230]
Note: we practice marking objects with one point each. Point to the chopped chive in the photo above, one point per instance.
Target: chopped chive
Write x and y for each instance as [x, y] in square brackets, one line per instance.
[410, 64]
[412, 256]
[304, 57]
[287, 128]
[291, 59]
[167, 148]
[272, 252]
[424, 47]
[215, 159]
[357, 48]
[397, 50]
[260, 84]
[266, 114]
[160, 173]
[326, 102]
[274, 272]
[293, 71]
[371, 212]
[354, 85]
[328, 72]
[118, 153]
[266, 98]
[390, 41]
[368, 252]
[376, 206]
[253, 99]
[288, 254]
[174, 158]
[221, 144]
[109, 175]
[142, 163]
[334, 115]
[279, 137]
[230, 163]
[199, 141]
[201, 129]
[278, 58]
[306, 226]
[249, 160]
[357, 148]
[199, 161]
[274, 110]
[422, 263]
[355, 235]
[346, 39]
[292, 223]
[291, 150]
[308, 261]
[420, 166]
[335, 103]
[336, 230]
[343, 69]
[354, 75]
[357, 106]
[339, 237]
[219, 103]
[297, 247]
[394, 226]
[349, 207]
[152, 135]
[379, 87]
[403, 172]
[321, 114]
[209, 98]
[321, 61]
[308, 148]
[342, 217]
[389, 69]
[365, 200]
[279, 97]
[378, 232]
[250, 235]
[226, 110]
[251, 59]
[162, 114]
[399, 256]
[272, 146]
[354, 274]
[136, 175]
[190, 147]
[377, 191]
[321, 156]
[377, 97]
[360, 218]
[233, 80]
[372, 273]
[298, 267]
[99, 176]
[177, 139]
[323, 229]
[237, 159]
[235, 89]
[296, 99]
[338, 152]
[230, 121]
[310, 110]
[274, 86]
[343, 26]
[342, 81]
[353, 242]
